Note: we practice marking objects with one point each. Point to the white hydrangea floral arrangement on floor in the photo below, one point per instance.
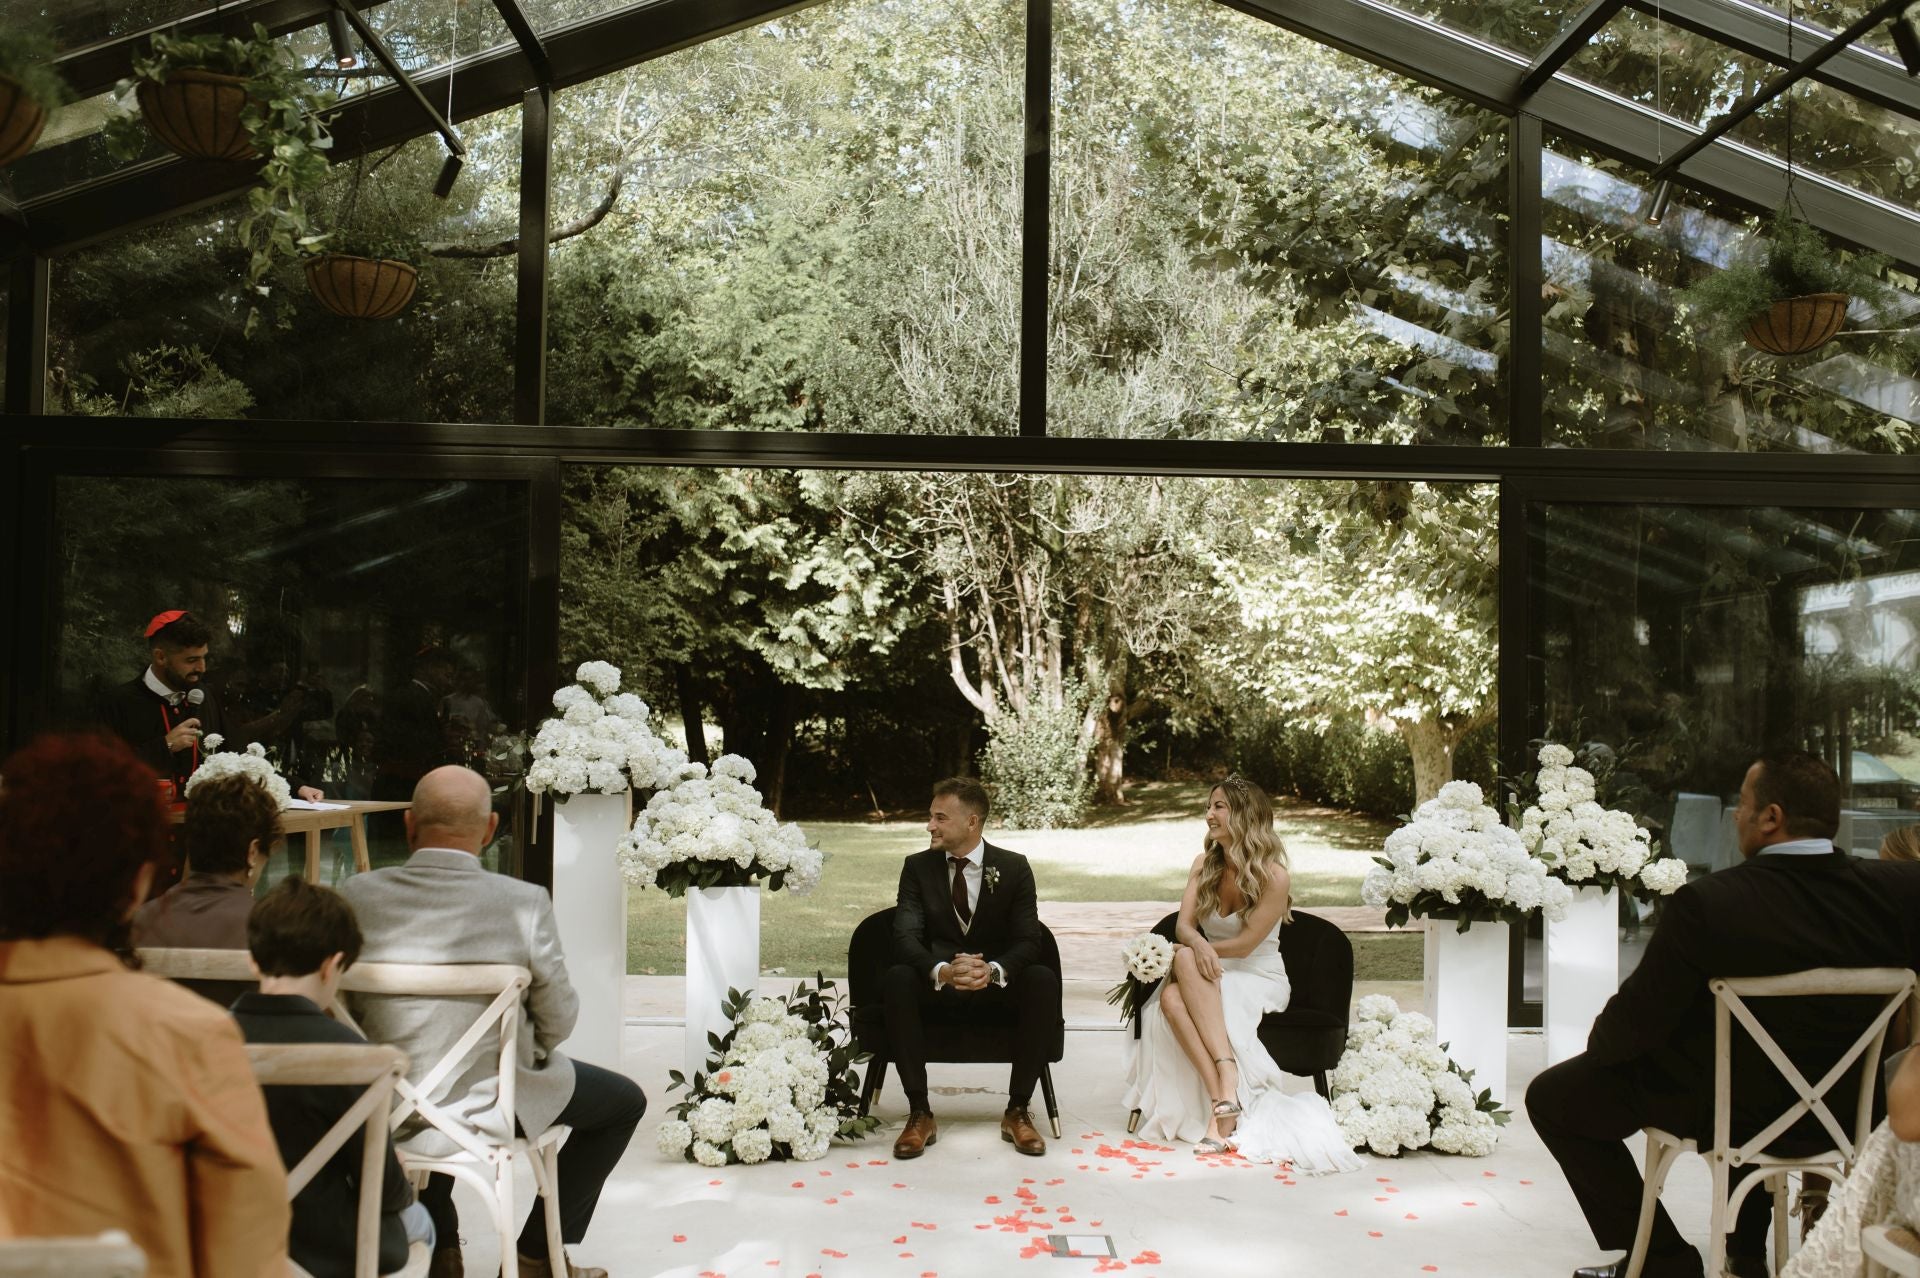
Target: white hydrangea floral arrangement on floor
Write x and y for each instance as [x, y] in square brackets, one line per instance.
[1395, 1089]
[602, 743]
[780, 1085]
[251, 762]
[710, 829]
[1455, 860]
[1587, 845]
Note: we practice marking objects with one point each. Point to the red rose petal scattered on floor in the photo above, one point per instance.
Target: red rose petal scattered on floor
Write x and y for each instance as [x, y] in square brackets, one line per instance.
[983, 1226]
[1341, 1212]
[1079, 1151]
[833, 1202]
[1026, 1180]
[923, 1224]
[876, 1162]
[837, 1255]
[1147, 1258]
[902, 1238]
[853, 1166]
[1384, 1180]
[1082, 1166]
[906, 1255]
[1411, 1216]
[799, 1184]
[1057, 1180]
[679, 1237]
[1380, 1199]
[1374, 1233]
[1526, 1182]
[713, 1182]
[991, 1199]
[1094, 1223]
[1469, 1204]
[1429, 1269]
[1392, 1190]
[898, 1185]
[1489, 1174]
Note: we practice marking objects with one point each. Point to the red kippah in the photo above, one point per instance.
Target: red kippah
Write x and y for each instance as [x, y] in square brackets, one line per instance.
[164, 620]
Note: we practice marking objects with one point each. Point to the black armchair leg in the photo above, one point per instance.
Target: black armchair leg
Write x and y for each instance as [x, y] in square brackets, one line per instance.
[1320, 1084]
[876, 1079]
[1053, 1104]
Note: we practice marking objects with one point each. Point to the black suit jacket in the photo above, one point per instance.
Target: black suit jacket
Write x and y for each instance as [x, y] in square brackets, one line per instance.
[1006, 919]
[1770, 915]
[141, 717]
[322, 1236]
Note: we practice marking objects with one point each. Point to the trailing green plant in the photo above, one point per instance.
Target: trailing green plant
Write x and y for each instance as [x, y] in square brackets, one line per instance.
[26, 57]
[1792, 260]
[378, 242]
[285, 118]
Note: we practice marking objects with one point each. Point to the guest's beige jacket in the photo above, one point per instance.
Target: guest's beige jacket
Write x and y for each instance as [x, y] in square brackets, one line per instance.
[128, 1103]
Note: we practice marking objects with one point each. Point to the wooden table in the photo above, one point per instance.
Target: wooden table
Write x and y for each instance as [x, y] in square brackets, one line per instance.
[350, 815]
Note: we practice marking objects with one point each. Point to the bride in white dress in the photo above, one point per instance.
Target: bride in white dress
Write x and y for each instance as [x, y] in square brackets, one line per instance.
[1199, 1072]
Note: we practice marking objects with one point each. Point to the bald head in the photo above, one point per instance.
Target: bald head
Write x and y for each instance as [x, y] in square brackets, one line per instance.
[452, 808]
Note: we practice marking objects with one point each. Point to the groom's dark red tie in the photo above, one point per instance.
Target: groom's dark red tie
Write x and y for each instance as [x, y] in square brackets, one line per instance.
[961, 909]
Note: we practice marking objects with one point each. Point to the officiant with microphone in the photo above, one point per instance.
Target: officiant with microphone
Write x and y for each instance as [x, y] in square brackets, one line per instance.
[166, 713]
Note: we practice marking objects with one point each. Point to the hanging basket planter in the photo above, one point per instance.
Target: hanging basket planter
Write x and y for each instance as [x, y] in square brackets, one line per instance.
[1797, 325]
[197, 114]
[362, 287]
[21, 119]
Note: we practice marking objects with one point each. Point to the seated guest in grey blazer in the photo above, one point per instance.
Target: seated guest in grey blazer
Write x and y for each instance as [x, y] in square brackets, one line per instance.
[302, 938]
[443, 906]
[231, 827]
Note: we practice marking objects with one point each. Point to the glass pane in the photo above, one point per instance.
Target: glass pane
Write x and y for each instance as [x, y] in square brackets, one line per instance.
[1522, 25]
[1697, 80]
[1828, 18]
[1683, 639]
[805, 619]
[422, 35]
[341, 642]
[812, 224]
[153, 324]
[1257, 237]
[77, 23]
[1627, 366]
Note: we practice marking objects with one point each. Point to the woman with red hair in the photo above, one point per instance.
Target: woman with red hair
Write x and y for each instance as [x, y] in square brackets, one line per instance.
[125, 1101]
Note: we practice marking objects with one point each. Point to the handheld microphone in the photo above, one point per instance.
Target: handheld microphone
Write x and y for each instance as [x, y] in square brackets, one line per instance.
[196, 695]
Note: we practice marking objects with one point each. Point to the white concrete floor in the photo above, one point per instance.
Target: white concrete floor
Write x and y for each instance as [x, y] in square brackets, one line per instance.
[971, 1206]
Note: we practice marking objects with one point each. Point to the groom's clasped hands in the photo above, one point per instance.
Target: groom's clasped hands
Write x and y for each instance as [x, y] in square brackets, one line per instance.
[967, 972]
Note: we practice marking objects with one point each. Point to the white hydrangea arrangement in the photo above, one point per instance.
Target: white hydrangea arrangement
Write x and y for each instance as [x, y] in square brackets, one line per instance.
[251, 762]
[1455, 860]
[602, 743]
[710, 829]
[1584, 844]
[1395, 1089]
[779, 1085]
[1149, 957]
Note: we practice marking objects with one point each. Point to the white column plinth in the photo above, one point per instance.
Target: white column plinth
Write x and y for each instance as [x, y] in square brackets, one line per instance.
[1466, 978]
[1582, 969]
[723, 953]
[590, 908]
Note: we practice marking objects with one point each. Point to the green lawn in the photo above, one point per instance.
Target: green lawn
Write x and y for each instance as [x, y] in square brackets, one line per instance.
[1137, 853]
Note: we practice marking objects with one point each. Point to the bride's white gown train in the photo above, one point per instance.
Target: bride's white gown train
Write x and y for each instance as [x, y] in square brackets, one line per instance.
[1275, 1126]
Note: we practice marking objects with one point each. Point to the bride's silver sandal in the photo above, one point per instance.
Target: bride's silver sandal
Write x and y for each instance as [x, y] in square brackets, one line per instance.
[1227, 1108]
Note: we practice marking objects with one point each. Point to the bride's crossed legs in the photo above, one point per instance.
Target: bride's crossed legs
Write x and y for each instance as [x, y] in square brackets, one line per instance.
[1193, 1009]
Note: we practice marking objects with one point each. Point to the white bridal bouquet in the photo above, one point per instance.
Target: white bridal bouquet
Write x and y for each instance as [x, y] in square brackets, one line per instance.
[1455, 860]
[602, 743]
[1584, 844]
[779, 1085]
[251, 762]
[1149, 957]
[1395, 1089]
[710, 829]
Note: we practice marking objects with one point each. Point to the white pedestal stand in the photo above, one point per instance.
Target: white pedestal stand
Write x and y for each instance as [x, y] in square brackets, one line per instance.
[1582, 969]
[590, 907]
[723, 953]
[1466, 978]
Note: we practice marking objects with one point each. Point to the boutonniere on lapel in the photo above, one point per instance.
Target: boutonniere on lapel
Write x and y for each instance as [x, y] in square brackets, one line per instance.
[991, 877]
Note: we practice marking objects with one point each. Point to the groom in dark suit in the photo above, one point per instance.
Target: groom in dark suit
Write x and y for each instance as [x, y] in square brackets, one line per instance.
[1795, 903]
[967, 946]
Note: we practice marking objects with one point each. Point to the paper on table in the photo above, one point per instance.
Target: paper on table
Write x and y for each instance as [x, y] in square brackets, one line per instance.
[301, 805]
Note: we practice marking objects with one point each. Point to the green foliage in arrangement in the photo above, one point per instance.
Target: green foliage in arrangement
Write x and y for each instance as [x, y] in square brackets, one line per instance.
[380, 241]
[1792, 260]
[285, 118]
[26, 57]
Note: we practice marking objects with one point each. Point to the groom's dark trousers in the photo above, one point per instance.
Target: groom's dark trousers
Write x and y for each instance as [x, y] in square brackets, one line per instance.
[1005, 929]
[1649, 1060]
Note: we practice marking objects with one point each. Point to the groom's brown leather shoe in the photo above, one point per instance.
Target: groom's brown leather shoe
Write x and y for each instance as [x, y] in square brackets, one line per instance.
[919, 1133]
[1016, 1128]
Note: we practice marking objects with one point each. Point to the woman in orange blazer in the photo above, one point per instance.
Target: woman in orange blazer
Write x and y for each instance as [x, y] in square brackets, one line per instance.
[125, 1102]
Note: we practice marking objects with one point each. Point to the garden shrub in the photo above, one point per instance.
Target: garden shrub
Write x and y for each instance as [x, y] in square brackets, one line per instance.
[1036, 765]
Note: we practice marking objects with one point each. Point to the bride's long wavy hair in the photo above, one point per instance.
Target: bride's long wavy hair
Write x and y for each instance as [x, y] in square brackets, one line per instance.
[1255, 849]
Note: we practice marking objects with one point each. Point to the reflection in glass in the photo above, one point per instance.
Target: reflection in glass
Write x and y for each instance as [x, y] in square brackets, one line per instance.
[811, 224]
[1520, 25]
[1625, 367]
[1254, 235]
[1680, 640]
[150, 324]
[341, 629]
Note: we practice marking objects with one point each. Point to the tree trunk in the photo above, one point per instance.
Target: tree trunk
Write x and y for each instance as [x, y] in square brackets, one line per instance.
[690, 713]
[1431, 744]
[779, 740]
[1110, 750]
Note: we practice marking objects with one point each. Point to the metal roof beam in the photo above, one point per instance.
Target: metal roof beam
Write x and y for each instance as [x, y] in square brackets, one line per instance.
[1565, 46]
[529, 40]
[1761, 33]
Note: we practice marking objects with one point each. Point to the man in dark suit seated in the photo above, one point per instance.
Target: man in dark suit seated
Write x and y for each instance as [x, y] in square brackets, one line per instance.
[1795, 903]
[967, 945]
[302, 937]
